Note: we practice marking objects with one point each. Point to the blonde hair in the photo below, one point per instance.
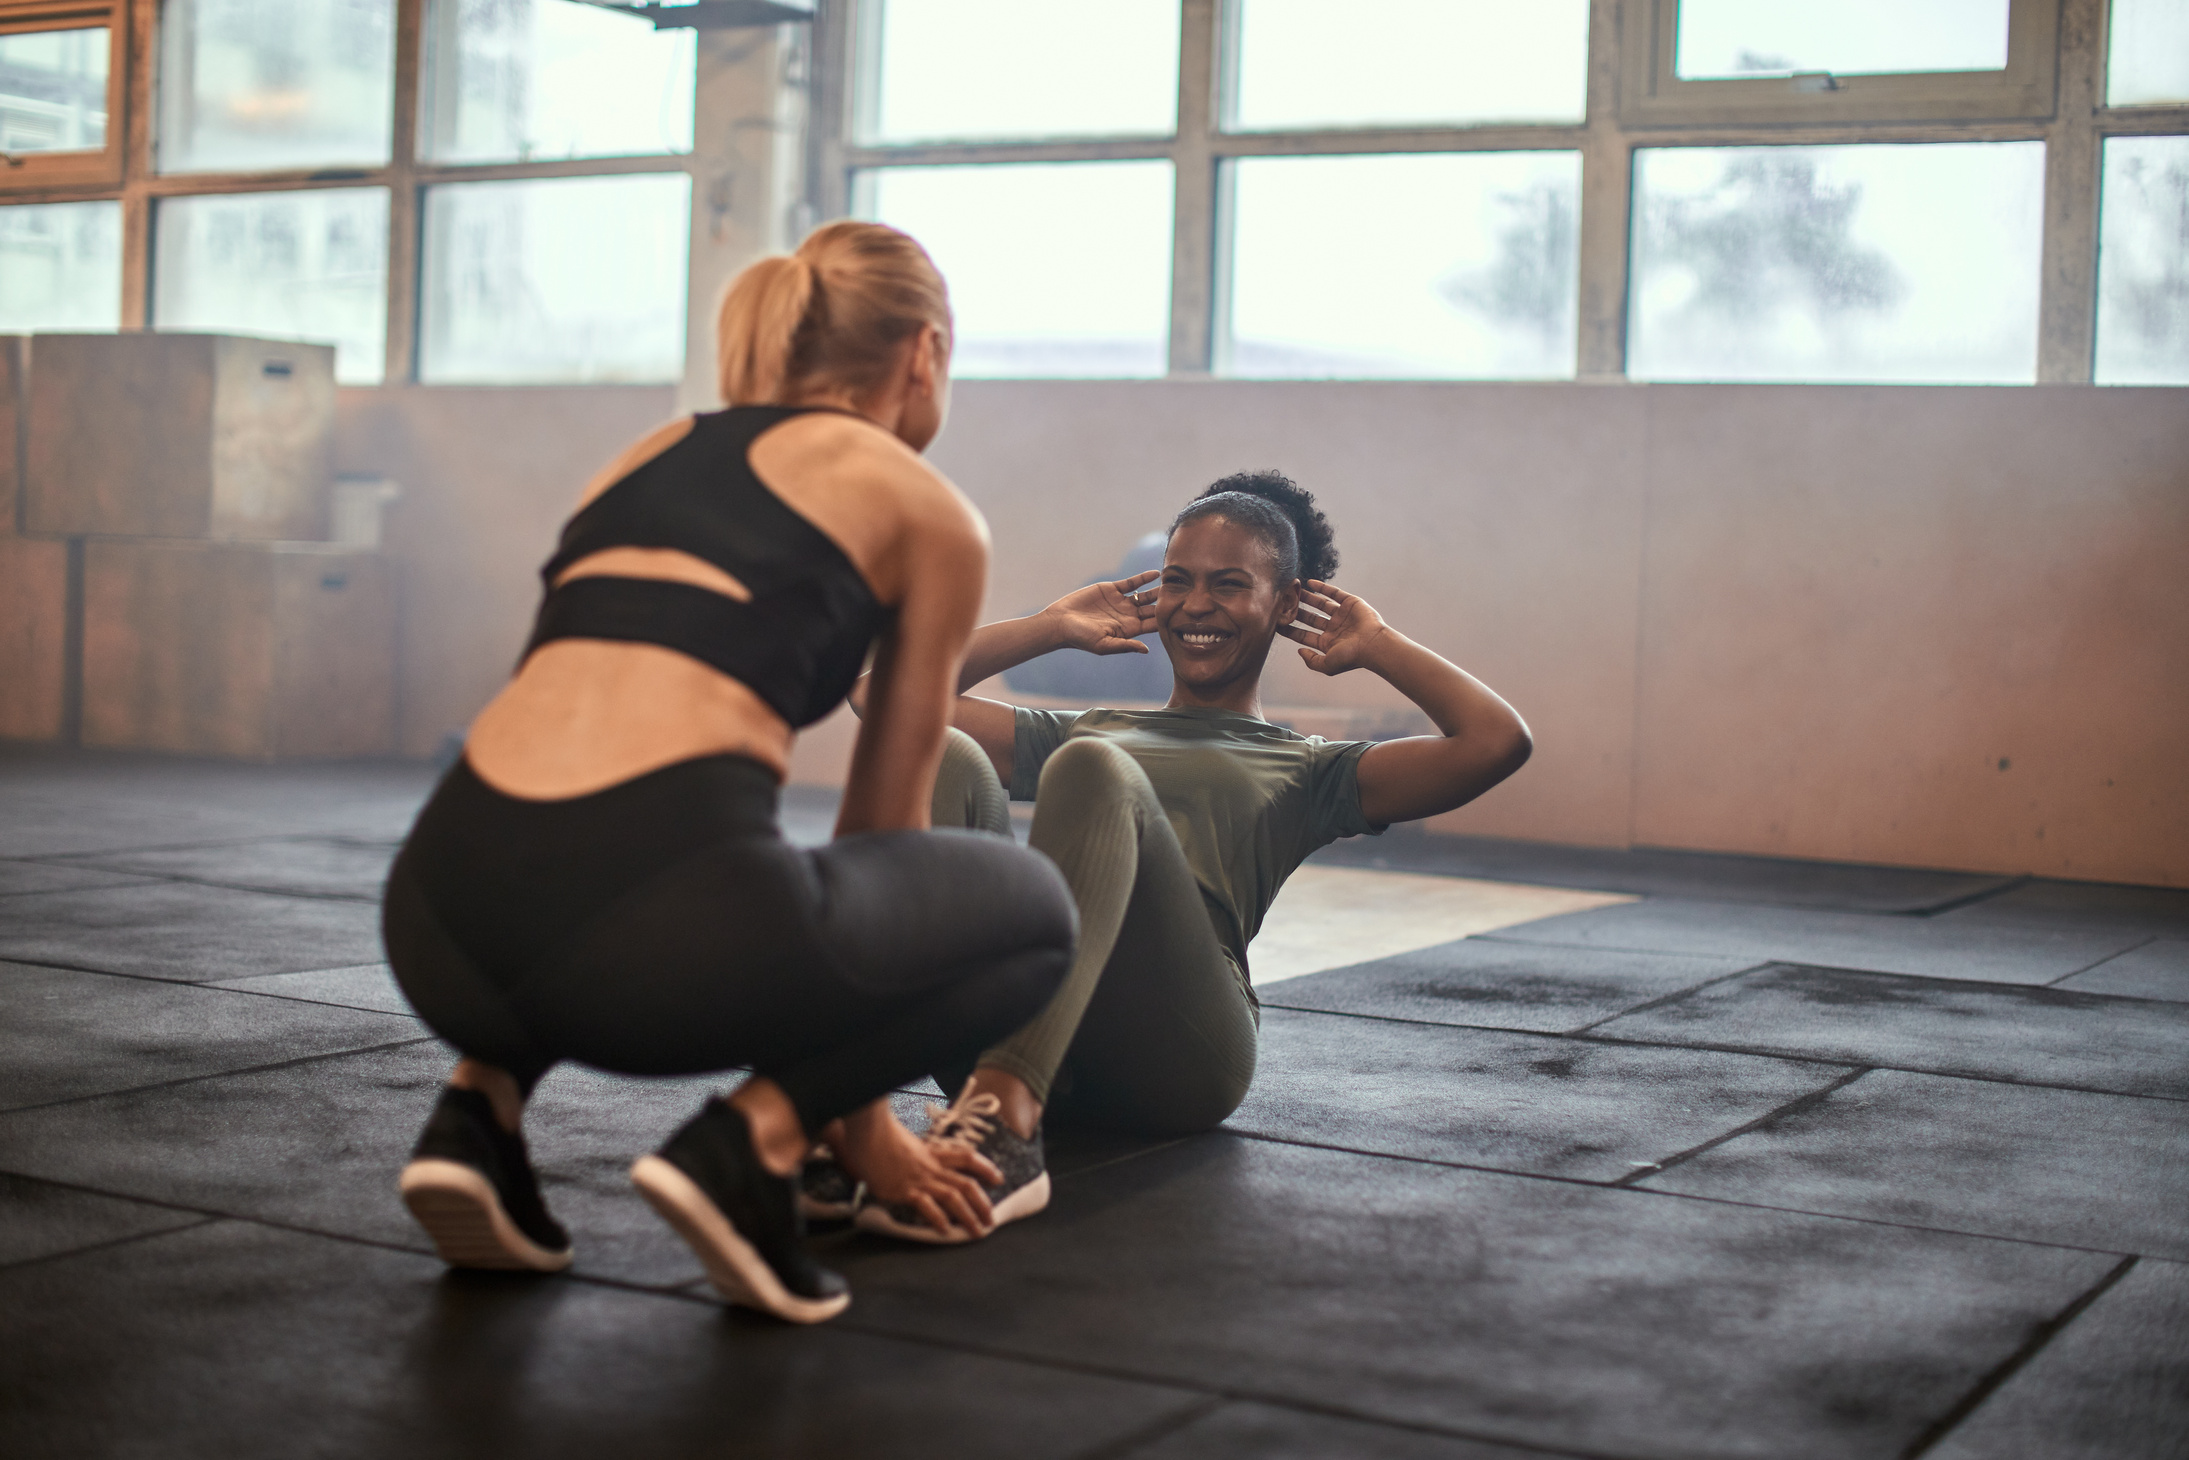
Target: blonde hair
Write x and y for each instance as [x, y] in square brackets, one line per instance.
[833, 314]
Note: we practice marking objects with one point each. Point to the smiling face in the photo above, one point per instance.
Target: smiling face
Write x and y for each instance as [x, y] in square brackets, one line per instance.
[1218, 606]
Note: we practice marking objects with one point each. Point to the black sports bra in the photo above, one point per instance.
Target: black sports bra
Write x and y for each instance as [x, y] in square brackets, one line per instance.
[801, 641]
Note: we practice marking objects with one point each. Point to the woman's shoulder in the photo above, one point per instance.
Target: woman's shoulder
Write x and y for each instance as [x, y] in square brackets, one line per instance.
[637, 454]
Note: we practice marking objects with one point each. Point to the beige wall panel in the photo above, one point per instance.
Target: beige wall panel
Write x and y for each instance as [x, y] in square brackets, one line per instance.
[1936, 627]
[1499, 524]
[33, 628]
[334, 653]
[11, 385]
[488, 476]
[182, 436]
[178, 647]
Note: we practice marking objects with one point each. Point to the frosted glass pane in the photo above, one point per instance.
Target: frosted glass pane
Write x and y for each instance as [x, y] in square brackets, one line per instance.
[303, 266]
[1845, 37]
[1056, 269]
[2148, 56]
[249, 85]
[53, 90]
[2143, 262]
[60, 267]
[560, 280]
[1421, 265]
[957, 69]
[1909, 263]
[532, 80]
[1308, 63]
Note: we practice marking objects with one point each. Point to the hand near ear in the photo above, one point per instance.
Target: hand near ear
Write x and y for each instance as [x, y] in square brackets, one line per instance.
[1336, 630]
[1107, 618]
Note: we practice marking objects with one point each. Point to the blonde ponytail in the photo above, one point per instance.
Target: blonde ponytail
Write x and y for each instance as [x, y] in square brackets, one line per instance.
[828, 317]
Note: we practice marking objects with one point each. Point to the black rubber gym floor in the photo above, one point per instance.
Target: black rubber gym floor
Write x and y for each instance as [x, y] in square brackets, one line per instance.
[1781, 1160]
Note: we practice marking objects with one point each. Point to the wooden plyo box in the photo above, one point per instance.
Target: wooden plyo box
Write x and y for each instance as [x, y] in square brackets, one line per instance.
[175, 435]
[255, 650]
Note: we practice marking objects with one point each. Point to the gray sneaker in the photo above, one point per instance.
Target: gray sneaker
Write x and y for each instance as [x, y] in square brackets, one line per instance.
[826, 1191]
[973, 1123]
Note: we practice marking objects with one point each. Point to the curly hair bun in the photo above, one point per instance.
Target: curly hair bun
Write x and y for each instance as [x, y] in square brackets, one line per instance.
[1314, 539]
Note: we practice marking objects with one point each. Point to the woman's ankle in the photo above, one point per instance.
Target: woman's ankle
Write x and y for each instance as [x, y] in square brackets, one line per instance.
[498, 1086]
[778, 1136]
[1020, 1109]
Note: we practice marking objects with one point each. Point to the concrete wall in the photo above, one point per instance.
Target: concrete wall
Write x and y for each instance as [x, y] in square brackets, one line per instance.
[1940, 627]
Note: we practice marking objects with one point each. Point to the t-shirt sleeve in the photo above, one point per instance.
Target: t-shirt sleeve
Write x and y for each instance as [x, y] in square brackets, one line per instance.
[1334, 793]
[1035, 736]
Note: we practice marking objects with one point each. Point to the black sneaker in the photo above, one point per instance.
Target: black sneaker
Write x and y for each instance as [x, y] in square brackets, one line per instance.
[826, 1191]
[470, 1185]
[739, 1217]
[974, 1122]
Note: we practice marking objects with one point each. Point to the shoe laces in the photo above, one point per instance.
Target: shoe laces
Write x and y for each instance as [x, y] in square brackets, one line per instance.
[964, 1124]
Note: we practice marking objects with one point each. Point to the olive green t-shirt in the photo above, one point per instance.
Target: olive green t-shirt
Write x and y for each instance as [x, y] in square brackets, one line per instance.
[1248, 799]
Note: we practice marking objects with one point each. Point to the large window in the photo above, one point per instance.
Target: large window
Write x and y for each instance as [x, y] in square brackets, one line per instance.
[277, 192]
[1857, 190]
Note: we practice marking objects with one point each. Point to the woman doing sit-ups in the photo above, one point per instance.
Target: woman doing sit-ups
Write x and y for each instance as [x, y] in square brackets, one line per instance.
[601, 878]
[1176, 827]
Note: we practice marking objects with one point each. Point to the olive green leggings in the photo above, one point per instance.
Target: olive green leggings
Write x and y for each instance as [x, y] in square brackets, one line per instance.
[1152, 1030]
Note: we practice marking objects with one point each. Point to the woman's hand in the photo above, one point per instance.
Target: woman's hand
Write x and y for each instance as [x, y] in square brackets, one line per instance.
[942, 1182]
[1106, 618]
[1336, 630]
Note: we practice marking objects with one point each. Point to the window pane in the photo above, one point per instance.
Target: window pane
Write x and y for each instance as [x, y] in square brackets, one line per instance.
[2149, 48]
[1055, 269]
[1845, 37]
[53, 90]
[253, 84]
[60, 267]
[564, 279]
[1423, 265]
[531, 80]
[1915, 263]
[956, 69]
[305, 266]
[1307, 63]
[2143, 263]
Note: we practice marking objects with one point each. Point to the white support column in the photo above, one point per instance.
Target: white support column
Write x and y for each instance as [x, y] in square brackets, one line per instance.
[747, 169]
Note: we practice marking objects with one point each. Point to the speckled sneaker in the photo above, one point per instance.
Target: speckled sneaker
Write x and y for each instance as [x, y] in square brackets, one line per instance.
[826, 1191]
[470, 1185]
[739, 1218]
[974, 1123]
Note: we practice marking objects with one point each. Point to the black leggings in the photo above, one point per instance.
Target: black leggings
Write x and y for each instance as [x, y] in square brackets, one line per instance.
[664, 927]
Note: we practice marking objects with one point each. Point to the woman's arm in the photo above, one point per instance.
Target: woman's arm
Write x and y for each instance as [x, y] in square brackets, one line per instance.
[1484, 739]
[944, 563]
[1101, 618]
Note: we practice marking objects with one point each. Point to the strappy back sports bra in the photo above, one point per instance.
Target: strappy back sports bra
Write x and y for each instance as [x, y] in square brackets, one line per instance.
[798, 644]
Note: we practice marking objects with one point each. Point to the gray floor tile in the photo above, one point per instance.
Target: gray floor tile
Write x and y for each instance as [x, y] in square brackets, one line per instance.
[65, 1035]
[2157, 970]
[2037, 1035]
[1500, 985]
[2155, 912]
[17, 878]
[2107, 1171]
[367, 986]
[1662, 872]
[1927, 947]
[1511, 1308]
[312, 866]
[40, 1220]
[178, 930]
[236, 1342]
[1265, 1432]
[59, 801]
[1515, 1102]
[2112, 1385]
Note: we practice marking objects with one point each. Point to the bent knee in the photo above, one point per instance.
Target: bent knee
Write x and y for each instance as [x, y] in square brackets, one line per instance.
[1086, 767]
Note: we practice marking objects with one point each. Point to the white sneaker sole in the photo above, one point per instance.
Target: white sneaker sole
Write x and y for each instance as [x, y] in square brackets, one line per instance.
[460, 1211]
[737, 1270]
[1027, 1200]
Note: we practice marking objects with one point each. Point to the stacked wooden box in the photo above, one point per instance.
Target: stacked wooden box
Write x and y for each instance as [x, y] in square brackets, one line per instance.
[167, 587]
